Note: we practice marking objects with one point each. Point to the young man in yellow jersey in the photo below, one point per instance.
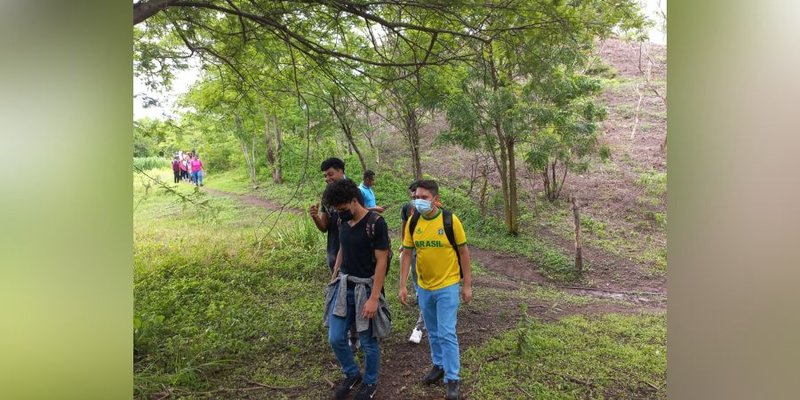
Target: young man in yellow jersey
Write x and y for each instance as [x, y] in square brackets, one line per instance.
[438, 278]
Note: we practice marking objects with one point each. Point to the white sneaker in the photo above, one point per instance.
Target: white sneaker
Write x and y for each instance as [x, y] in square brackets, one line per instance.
[416, 336]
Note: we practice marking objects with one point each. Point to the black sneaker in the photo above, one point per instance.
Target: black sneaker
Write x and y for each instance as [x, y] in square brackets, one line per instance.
[434, 375]
[366, 391]
[452, 390]
[346, 386]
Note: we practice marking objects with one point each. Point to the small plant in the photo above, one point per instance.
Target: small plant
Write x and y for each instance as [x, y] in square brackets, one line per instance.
[653, 182]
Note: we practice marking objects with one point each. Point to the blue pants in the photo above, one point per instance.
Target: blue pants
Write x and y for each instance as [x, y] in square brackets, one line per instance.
[420, 325]
[337, 336]
[197, 177]
[440, 309]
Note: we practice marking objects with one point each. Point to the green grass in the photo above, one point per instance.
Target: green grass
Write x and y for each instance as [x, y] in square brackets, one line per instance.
[653, 182]
[210, 292]
[613, 356]
[226, 294]
[147, 163]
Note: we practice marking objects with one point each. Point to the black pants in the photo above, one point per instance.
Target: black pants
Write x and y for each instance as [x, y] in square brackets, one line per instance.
[177, 175]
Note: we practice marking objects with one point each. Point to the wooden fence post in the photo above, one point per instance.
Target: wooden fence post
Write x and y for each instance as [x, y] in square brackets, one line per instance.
[578, 255]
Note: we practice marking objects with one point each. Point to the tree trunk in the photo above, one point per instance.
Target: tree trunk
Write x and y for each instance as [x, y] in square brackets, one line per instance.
[504, 178]
[277, 167]
[412, 134]
[482, 202]
[546, 181]
[563, 178]
[268, 140]
[513, 226]
[506, 159]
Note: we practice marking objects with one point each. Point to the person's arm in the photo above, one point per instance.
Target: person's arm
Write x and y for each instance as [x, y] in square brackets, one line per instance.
[371, 306]
[377, 209]
[463, 253]
[320, 220]
[466, 288]
[405, 262]
[337, 264]
[402, 234]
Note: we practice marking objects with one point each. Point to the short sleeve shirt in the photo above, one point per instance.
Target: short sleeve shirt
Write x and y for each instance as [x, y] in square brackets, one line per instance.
[368, 195]
[358, 257]
[437, 262]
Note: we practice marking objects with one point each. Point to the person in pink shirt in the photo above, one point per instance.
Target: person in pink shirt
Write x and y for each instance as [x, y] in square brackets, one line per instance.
[197, 170]
[184, 165]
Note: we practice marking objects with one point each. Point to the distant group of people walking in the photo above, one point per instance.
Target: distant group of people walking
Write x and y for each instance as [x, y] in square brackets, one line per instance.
[188, 167]
[433, 252]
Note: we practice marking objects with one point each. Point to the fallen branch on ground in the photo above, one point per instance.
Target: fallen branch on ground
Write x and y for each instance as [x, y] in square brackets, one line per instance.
[611, 291]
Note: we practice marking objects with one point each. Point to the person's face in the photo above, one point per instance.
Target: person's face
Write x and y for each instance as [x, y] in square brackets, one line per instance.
[370, 181]
[425, 194]
[344, 207]
[332, 175]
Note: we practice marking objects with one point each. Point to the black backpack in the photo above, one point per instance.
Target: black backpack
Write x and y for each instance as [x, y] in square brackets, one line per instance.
[447, 219]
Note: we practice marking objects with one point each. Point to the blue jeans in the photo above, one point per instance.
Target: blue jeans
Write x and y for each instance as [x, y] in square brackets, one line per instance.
[440, 309]
[420, 325]
[338, 334]
[197, 177]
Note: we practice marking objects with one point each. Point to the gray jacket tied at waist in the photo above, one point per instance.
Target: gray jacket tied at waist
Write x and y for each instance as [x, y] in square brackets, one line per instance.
[381, 322]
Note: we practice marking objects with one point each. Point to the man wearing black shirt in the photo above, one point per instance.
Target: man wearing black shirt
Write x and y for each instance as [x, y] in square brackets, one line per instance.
[332, 171]
[328, 220]
[360, 269]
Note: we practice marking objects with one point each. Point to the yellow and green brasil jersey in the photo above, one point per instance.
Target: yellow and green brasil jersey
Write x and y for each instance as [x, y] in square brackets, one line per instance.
[437, 263]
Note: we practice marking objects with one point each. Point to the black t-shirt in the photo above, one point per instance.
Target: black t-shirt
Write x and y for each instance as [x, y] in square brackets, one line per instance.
[333, 231]
[405, 211]
[358, 257]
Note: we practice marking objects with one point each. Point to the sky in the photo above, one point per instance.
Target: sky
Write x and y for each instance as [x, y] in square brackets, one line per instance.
[184, 79]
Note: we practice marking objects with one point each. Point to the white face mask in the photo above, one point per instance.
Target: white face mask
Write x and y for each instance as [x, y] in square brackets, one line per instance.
[423, 206]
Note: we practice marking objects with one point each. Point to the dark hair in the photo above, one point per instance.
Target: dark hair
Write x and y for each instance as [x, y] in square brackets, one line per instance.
[334, 162]
[369, 174]
[430, 185]
[341, 192]
[413, 186]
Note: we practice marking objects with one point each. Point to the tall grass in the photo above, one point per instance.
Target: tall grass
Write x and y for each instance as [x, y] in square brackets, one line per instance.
[148, 163]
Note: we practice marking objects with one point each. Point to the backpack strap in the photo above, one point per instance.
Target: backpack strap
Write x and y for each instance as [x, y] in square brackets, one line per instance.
[447, 219]
[372, 219]
[413, 225]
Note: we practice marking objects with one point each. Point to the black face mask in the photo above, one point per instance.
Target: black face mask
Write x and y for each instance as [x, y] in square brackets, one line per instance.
[345, 215]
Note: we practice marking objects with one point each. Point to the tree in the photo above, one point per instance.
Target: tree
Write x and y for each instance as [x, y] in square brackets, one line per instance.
[520, 79]
[566, 117]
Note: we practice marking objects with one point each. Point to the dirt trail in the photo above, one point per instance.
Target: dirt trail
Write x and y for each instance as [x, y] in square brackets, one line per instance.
[610, 278]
